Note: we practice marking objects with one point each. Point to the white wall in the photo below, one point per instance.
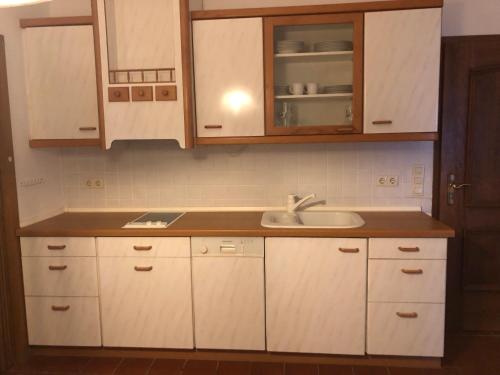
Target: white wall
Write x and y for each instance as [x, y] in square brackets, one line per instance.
[460, 17]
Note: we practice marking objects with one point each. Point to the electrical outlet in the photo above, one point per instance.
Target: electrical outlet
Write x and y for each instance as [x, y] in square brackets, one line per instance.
[393, 181]
[94, 183]
[382, 181]
[387, 181]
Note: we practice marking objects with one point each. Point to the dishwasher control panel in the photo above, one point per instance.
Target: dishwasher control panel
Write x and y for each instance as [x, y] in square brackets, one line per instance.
[227, 246]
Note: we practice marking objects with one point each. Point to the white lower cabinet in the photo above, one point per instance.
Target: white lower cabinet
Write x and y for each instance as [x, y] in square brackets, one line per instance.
[61, 294]
[316, 295]
[406, 297]
[146, 301]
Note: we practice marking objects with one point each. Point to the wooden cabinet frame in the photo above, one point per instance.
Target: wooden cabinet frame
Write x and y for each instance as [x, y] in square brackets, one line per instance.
[357, 102]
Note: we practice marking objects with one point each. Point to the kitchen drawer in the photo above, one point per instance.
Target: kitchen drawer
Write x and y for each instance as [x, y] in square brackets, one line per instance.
[61, 277]
[159, 247]
[63, 321]
[406, 280]
[407, 248]
[58, 246]
[405, 329]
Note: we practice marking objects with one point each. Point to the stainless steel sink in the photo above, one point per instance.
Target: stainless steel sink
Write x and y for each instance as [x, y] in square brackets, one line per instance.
[312, 220]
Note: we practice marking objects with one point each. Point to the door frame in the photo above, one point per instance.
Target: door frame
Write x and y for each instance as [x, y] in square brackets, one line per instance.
[13, 331]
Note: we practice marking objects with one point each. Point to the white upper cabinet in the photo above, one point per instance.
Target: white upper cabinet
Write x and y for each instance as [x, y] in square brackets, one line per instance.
[142, 69]
[61, 82]
[316, 295]
[229, 77]
[402, 62]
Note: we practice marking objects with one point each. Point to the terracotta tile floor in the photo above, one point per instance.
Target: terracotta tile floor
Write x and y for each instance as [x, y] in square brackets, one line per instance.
[466, 355]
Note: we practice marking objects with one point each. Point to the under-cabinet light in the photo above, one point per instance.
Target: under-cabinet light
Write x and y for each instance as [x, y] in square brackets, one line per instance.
[16, 3]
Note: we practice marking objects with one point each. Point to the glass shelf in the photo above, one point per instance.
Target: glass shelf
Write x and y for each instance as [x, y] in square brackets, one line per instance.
[316, 96]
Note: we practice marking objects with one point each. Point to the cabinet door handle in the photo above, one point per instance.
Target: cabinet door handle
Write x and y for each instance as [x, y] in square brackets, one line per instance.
[349, 251]
[213, 126]
[58, 268]
[54, 247]
[87, 128]
[382, 122]
[412, 272]
[60, 308]
[412, 315]
[409, 249]
[143, 269]
[143, 248]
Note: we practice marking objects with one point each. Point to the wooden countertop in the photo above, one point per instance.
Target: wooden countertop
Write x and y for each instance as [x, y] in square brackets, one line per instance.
[241, 224]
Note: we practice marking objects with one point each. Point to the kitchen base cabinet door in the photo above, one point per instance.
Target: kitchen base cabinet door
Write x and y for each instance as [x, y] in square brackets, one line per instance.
[405, 329]
[56, 321]
[316, 295]
[146, 303]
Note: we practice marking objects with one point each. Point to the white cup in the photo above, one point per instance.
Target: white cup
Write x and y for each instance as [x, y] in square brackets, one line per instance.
[312, 88]
[296, 88]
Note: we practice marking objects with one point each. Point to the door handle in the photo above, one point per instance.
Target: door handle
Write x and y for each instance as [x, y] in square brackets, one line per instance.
[453, 187]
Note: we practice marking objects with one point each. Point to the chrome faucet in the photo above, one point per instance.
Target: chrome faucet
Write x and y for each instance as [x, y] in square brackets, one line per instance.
[293, 205]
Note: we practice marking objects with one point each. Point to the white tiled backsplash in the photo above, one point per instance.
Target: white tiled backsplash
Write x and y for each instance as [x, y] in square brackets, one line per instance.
[160, 175]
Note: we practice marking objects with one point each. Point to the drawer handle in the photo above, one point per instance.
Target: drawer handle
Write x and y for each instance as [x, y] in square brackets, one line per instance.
[349, 251]
[382, 122]
[143, 248]
[409, 249]
[87, 128]
[117, 94]
[165, 92]
[412, 315]
[143, 269]
[213, 126]
[58, 268]
[412, 272]
[53, 247]
[60, 308]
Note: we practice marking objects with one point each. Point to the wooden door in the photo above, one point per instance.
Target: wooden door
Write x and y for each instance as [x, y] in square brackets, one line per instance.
[61, 82]
[470, 150]
[402, 56]
[229, 77]
[13, 337]
[316, 295]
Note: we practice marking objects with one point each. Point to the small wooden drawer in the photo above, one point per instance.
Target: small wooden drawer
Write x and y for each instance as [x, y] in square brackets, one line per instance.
[407, 248]
[60, 277]
[63, 321]
[405, 329]
[406, 280]
[119, 94]
[166, 93]
[151, 247]
[58, 246]
[142, 93]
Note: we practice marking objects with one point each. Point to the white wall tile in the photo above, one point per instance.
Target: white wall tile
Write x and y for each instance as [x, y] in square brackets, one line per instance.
[159, 174]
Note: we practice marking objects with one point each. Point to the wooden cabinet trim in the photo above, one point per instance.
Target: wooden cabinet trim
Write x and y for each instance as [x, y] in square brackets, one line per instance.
[43, 143]
[56, 21]
[270, 23]
[372, 6]
[331, 138]
[98, 70]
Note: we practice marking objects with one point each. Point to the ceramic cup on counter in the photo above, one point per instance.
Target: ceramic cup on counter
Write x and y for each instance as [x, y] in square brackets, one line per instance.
[297, 88]
[312, 88]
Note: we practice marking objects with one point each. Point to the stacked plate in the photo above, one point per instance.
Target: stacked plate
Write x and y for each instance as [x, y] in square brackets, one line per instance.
[337, 89]
[333, 45]
[290, 46]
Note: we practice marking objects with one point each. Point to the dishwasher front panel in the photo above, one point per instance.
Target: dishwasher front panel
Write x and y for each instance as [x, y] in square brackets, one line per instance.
[229, 307]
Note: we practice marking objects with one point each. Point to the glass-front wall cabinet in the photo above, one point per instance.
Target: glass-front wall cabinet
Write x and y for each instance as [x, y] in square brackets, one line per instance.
[314, 74]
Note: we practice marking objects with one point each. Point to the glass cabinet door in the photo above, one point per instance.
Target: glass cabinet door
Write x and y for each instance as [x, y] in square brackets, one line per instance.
[314, 74]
